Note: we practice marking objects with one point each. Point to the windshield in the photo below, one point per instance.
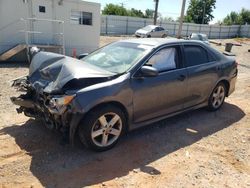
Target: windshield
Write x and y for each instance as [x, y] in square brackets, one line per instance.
[117, 57]
[148, 28]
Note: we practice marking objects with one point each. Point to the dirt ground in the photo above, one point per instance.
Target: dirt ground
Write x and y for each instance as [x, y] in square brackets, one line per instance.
[195, 149]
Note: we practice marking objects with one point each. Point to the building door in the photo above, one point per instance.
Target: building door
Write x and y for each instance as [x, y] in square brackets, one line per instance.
[42, 9]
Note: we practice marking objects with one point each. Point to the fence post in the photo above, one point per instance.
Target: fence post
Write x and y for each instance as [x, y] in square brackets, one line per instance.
[187, 29]
[220, 32]
[106, 25]
[229, 31]
[210, 28]
[127, 26]
[248, 31]
[200, 29]
[174, 27]
[145, 22]
[239, 31]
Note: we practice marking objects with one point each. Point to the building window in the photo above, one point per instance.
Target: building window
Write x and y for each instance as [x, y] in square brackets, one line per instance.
[42, 9]
[81, 18]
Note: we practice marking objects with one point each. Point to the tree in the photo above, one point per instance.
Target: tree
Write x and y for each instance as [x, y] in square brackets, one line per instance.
[112, 9]
[245, 16]
[200, 11]
[135, 13]
[149, 13]
[234, 18]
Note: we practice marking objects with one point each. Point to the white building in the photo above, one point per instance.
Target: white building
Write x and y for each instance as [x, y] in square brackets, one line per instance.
[55, 25]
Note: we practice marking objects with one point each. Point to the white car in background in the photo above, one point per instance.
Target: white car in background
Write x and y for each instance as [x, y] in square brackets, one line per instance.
[151, 31]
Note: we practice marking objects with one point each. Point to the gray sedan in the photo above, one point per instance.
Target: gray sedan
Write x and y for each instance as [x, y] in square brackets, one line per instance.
[123, 86]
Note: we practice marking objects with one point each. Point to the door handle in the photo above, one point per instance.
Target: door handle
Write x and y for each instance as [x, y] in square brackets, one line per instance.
[182, 77]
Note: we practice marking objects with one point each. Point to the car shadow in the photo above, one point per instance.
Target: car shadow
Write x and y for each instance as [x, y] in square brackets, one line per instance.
[64, 166]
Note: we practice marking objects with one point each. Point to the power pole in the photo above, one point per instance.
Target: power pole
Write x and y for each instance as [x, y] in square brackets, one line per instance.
[181, 18]
[156, 10]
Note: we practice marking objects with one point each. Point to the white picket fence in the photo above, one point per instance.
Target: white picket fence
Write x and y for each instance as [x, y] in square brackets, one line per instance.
[123, 25]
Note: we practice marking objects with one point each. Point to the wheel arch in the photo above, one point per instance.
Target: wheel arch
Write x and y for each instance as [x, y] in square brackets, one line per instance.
[112, 103]
[227, 85]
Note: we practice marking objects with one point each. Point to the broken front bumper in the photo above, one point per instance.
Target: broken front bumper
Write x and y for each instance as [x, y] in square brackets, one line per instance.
[38, 105]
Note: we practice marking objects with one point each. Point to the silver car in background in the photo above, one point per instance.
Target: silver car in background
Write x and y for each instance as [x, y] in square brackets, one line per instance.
[151, 31]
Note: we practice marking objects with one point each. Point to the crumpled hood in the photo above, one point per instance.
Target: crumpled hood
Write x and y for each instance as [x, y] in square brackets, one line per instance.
[50, 72]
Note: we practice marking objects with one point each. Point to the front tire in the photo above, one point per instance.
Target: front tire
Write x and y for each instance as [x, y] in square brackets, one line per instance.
[217, 97]
[102, 128]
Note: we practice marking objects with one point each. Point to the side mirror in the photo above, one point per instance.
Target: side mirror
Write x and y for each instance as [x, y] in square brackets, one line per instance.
[82, 55]
[148, 71]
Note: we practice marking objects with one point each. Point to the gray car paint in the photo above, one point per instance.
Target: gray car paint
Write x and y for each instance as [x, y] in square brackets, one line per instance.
[140, 98]
[143, 99]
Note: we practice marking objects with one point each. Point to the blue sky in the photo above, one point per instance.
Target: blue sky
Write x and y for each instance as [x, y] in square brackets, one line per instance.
[172, 7]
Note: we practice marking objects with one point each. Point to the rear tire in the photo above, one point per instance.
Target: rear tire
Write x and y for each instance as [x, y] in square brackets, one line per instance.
[102, 128]
[217, 97]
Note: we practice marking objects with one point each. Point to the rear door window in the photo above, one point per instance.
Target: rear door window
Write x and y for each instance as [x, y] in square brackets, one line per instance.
[195, 55]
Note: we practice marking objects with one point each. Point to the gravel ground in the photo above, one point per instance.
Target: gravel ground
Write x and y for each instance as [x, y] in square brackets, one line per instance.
[195, 149]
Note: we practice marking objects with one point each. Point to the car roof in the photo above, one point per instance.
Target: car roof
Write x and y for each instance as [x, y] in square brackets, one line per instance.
[152, 26]
[155, 42]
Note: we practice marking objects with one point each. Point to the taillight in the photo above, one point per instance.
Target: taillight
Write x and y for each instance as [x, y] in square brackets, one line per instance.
[236, 63]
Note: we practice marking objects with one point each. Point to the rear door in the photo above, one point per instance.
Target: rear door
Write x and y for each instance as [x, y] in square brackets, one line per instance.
[163, 94]
[202, 71]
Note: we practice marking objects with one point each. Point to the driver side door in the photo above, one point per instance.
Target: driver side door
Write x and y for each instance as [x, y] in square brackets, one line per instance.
[163, 94]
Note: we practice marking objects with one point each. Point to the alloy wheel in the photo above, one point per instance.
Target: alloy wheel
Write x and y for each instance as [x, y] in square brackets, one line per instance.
[107, 129]
[218, 96]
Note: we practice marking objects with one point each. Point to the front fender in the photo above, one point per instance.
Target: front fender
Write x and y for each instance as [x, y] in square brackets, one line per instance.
[117, 90]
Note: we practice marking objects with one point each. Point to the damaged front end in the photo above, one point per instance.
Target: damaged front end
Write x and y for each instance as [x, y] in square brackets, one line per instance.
[54, 110]
[49, 92]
